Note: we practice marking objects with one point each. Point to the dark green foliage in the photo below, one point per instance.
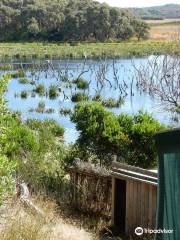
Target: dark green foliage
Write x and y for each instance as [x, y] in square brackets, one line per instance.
[79, 97]
[102, 134]
[18, 74]
[20, 140]
[40, 89]
[81, 83]
[99, 130]
[69, 20]
[141, 129]
[24, 94]
[53, 92]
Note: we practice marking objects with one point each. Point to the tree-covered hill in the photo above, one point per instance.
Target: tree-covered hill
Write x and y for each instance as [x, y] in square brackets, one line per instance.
[159, 12]
[62, 20]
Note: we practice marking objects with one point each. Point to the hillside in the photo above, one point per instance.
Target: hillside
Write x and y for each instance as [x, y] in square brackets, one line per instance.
[170, 11]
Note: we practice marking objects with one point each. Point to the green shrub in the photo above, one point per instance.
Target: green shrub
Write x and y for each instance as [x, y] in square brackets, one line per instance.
[103, 133]
[79, 97]
[141, 129]
[7, 169]
[20, 140]
[53, 92]
[23, 81]
[81, 83]
[51, 125]
[40, 89]
[24, 94]
[99, 130]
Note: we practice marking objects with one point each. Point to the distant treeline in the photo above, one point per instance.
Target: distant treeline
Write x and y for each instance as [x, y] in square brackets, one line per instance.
[66, 20]
[158, 12]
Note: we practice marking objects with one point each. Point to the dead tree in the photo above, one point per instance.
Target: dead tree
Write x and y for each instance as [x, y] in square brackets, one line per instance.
[160, 77]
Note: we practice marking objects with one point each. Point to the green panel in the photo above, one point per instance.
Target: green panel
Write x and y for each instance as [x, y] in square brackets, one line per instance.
[168, 210]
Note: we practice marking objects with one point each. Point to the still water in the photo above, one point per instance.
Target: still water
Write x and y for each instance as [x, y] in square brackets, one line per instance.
[110, 79]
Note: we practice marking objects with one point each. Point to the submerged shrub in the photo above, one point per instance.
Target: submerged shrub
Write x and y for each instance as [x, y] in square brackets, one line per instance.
[79, 97]
[18, 74]
[53, 92]
[65, 111]
[24, 94]
[49, 110]
[40, 89]
[23, 81]
[112, 103]
[41, 107]
[81, 83]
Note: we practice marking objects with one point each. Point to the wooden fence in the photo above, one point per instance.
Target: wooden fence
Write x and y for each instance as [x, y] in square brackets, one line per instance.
[92, 191]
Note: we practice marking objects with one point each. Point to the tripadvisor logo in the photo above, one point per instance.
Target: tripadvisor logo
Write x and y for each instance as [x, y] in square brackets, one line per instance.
[140, 231]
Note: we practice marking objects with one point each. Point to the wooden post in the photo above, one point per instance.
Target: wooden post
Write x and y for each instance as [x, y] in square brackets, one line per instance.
[113, 199]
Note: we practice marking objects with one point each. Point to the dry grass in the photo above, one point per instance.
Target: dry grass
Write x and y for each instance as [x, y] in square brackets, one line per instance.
[166, 30]
[18, 223]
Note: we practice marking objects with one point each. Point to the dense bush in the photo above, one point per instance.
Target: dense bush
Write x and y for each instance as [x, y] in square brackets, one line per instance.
[99, 129]
[67, 20]
[32, 151]
[102, 134]
[7, 167]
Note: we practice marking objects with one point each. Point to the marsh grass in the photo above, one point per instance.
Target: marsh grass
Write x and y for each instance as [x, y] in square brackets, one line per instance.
[81, 83]
[23, 81]
[24, 94]
[79, 97]
[113, 103]
[53, 92]
[40, 89]
[18, 74]
[41, 50]
[65, 111]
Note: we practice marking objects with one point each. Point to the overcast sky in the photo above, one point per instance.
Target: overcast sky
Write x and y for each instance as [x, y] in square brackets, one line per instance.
[138, 3]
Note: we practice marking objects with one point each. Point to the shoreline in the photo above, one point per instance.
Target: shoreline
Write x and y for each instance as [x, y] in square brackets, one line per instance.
[44, 50]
